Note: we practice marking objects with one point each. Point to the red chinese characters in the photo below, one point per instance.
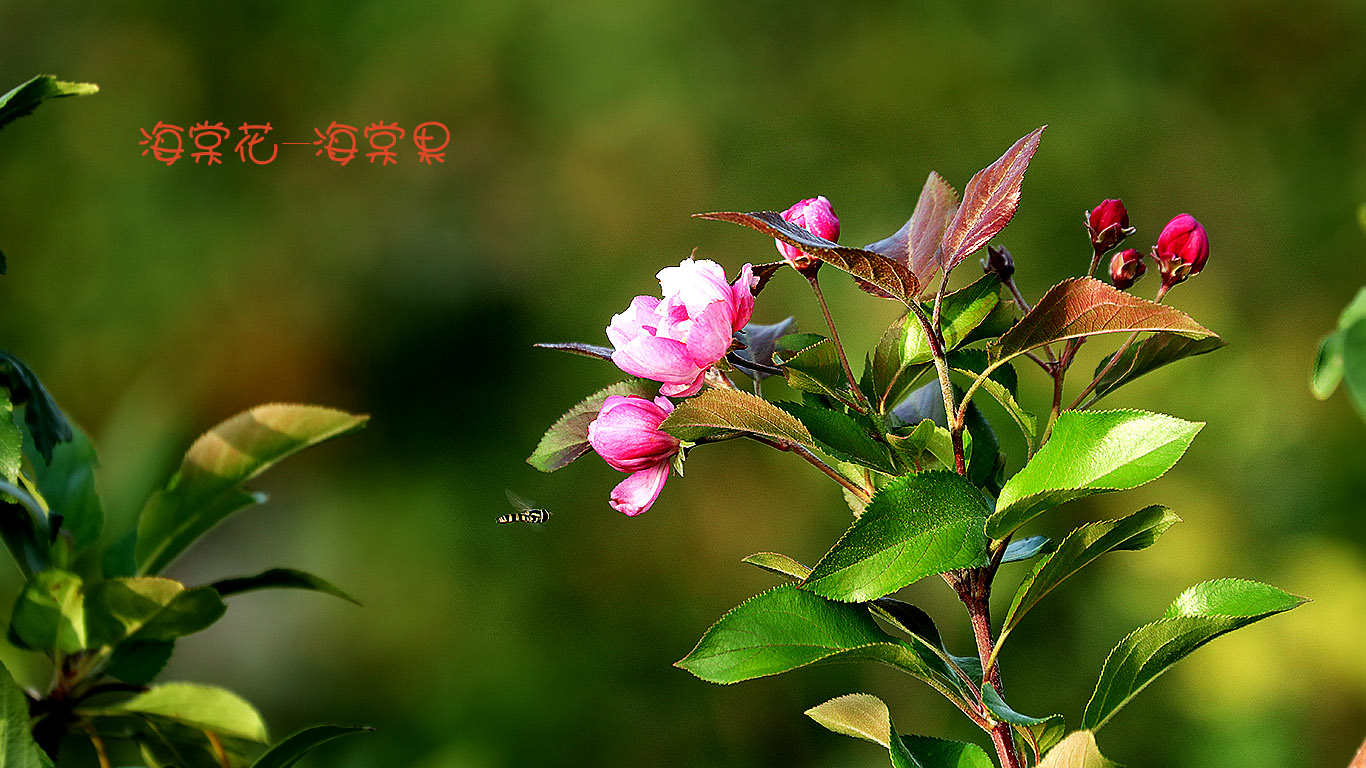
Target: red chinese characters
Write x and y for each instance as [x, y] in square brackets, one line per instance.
[339, 142]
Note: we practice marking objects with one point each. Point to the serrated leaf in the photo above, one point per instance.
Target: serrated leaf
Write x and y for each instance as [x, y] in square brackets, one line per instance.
[959, 314]
[148, 608]
[1077, 750]
[578, 348]
[24, 99]
[885, 364]
[915, 526]
[138, 662]
[731, 409]
[1091, 452]
[888, 274]
[1081, 548]
[204, 707]
[786, 628]
[279, 578]
[567, 438]
[860, 715]
[1022, 418]
[779, 564]
[1150, 354]
[918, 239]
[838, 434]
[207, 487]
[49, 614]
[11, 440]
[989, 201]
[1084, 306]
[760, 342]
[929, 752]
[1023, 549]
[817, 369]
[47, 426]
[999, 709]
[1199, 615]
[293, 748]
[17, 747]
[67, 483]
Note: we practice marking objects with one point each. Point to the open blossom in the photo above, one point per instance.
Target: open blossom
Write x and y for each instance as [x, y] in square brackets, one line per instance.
[674, 340]
[626, 435]
[1181, 249]
[815, 216]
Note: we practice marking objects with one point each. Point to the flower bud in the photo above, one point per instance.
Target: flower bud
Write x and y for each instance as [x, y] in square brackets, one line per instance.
[1126, 268]
[1108, 224]
[1181, 250]
[817, 217]
[999, 262]
[626, 435]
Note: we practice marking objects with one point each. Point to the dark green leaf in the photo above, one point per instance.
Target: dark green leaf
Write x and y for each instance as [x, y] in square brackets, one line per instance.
[1022, 418]
[989, 201]
[1354, 364]
[731, 409]
[917, 242]
[578, 348]
[46, 424]
[67, 482]
[1084, 306]
[760, 342]
[985, 464]
[23, 100]
[888, 274]
[292, 749]
[207, 488]
[815, 368]
[1199, 615]
[883, 367]
[17, 747]
[1023, 549]
[188, 612]
[1091, 452]
[915, 526]
[929, 752]
[203, 707]
[839, 435]
[1149, 355]
[11, 440]
[24, 528]
[959, 314]
[1002, 711]
[148, 608]
[138, 662]
[567, 438]
[779, 564]
[1078, 750]
[279, 578]
[50, 613]
[1002, 317]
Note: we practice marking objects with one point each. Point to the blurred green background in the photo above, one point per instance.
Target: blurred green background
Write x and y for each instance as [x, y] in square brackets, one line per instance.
[155, 301]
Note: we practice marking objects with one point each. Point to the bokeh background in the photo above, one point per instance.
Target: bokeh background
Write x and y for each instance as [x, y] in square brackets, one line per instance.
[155, 301]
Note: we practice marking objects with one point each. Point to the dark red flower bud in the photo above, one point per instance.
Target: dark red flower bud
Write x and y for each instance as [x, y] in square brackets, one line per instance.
[1108, 224]
[1126, 267]
[1181, 249]
[998, 261]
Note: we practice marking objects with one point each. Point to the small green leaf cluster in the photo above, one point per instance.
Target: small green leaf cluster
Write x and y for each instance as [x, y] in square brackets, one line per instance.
[95, 608]
[923, 472]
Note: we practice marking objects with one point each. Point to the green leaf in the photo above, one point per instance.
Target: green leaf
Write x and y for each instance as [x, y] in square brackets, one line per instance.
[1200, 614]
[838, 434]
[567, 438]
[881, 369]
[49, 614]
[915, 526]
[917, 242]
[24, 528]
[1078, 750]
[148, 608]
[138, 662]
[23, 100]
[17, 747]
[207, 488]
[929, 752]
[203, 707]
[731, 409]
[67, 483]
[46, 424]
[1091, 452]
[997, 706]
[786, 628]
[760, 342]
[888, 274]
[1150, 354]
[989, 201]
[866, 717]
[1081, 548]
[1085, 306]
[1354, 364]
[279, 578]
[815, 368]
[11, 440]
[779, 564]
[1022, 418]
[959, 314]
[296, 745]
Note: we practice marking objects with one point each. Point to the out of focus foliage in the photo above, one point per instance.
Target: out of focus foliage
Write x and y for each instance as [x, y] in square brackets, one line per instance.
[583, 134]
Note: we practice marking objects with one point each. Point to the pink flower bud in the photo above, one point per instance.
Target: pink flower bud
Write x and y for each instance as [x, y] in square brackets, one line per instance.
[1181, 249]
[626, 435]
[815, 216]
[1108, 224]
[674, 340]
[1126, 268]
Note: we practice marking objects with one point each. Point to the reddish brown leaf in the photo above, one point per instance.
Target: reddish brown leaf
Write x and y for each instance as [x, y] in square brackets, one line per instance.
[1083, 306]
[915, 243]
[765, 272]
[989, 201]
[889, 275]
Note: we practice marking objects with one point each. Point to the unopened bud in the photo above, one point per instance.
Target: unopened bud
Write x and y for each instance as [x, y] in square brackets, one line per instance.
[1126, 268]
[1181, 250]
[817, 217]
[999, 262]
[1108, 224]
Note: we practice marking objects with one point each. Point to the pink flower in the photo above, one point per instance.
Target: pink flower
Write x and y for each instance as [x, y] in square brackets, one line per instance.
[675, 340]
[1108, 224]
[815, 216]
[1126, 267]
[626, 435]
[1181, 249]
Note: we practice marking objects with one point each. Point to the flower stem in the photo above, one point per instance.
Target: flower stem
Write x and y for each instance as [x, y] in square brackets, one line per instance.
[862, 404]
[953, 416]
[1129, 342]
[100, 753]
[863, 494]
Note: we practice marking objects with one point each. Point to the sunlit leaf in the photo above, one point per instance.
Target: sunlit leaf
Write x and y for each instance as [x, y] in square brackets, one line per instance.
[1077, 750]
[814, 368]
[203, 707]
[779, 564]
[1022, 418]
[148, 608]
[24, 99]
[11, 440]
[959, 314]
[918, 239]
[49, 614]
[17, 747]
[989, 201]
[731, 409]
[1150, 354]
[207, 488]
[567, 438]
[1199, 615]
[860, 715]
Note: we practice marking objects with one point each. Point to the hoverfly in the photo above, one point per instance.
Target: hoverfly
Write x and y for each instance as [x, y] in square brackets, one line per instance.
[526, 511]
